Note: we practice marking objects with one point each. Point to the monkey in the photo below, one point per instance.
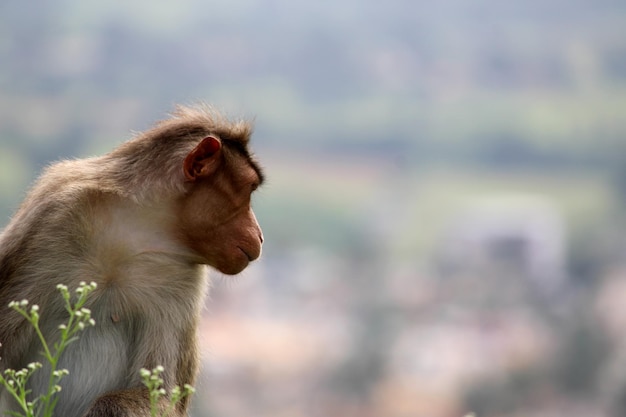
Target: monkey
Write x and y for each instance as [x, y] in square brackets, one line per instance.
[144, 222]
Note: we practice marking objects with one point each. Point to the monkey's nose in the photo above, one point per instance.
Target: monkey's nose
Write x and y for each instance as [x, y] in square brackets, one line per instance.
[261, 237]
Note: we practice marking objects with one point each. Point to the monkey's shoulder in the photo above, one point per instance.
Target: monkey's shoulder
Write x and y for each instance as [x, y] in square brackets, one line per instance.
[65, 189]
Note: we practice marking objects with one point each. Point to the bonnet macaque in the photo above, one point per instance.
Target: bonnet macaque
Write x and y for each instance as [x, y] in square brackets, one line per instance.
[143, 222]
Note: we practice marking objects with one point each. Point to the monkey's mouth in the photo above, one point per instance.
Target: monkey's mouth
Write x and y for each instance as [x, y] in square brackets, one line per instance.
[250, 257]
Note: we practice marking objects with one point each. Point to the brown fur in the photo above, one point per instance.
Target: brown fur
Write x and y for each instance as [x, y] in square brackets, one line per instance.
[141, 221]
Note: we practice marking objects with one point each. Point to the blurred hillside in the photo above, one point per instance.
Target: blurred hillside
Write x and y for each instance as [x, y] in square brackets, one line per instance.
[444, 215]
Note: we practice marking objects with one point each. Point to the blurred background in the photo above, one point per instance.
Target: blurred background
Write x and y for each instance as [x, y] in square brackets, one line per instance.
[444, 216]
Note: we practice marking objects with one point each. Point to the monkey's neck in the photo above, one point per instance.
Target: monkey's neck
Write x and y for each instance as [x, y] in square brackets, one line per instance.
[128, 230]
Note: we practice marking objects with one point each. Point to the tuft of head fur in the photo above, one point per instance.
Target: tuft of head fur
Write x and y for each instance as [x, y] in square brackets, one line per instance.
[209, 118]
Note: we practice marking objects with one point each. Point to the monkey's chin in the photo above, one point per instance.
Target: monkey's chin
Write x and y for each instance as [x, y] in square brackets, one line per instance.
[232, 265]
[234, 261]
[231, 269]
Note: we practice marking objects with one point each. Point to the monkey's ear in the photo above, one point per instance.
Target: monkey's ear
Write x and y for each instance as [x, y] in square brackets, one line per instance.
[203, 160]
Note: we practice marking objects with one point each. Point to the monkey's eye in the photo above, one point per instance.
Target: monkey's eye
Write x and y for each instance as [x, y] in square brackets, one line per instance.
[254, 186]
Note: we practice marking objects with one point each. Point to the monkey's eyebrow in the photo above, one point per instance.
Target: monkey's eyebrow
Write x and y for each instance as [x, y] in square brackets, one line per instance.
[242, 149]
[259, 171]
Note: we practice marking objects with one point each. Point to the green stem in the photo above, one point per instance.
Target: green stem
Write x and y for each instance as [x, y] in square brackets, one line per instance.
[47, 353]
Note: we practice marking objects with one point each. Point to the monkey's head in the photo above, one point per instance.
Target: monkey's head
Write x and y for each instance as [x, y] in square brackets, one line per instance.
[215, 215]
